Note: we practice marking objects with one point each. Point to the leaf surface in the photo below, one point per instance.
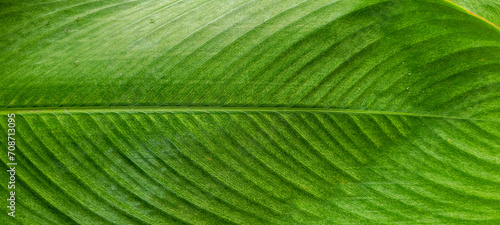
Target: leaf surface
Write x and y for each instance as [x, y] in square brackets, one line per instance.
[252, 112]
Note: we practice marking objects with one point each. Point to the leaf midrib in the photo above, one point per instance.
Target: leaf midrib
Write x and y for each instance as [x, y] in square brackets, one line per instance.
[120, 109]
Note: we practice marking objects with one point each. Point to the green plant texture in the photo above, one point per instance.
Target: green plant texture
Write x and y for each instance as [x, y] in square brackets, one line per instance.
[251, 112]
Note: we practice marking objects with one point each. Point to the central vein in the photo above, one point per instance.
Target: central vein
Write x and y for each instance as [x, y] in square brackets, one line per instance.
[208, 109]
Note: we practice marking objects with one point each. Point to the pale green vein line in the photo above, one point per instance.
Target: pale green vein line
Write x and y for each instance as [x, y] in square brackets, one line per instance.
[146, 109]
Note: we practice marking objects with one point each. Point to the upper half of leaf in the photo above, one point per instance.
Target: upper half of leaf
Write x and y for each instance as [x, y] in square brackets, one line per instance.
[429, 57]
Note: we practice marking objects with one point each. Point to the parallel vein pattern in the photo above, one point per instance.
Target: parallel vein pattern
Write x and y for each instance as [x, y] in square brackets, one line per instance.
[326, 54]
[252, 112]
[258, 168]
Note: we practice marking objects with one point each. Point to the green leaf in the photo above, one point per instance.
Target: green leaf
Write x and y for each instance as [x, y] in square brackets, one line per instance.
[251, 112]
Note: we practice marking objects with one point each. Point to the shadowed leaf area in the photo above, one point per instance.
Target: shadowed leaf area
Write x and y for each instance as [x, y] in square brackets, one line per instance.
[251, 112]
